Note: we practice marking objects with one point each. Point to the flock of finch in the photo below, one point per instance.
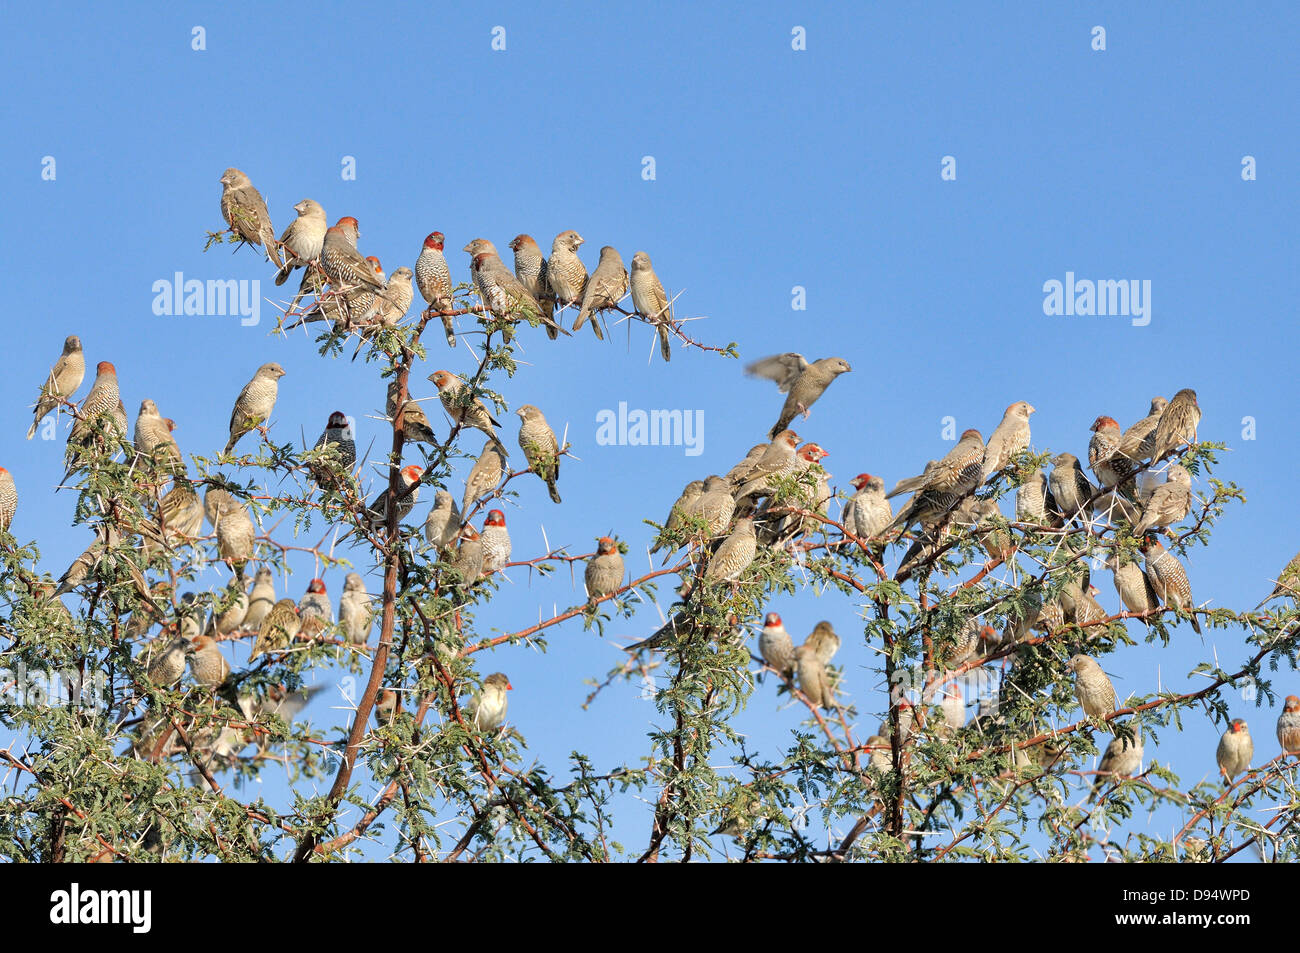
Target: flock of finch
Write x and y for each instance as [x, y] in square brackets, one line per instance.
[730, 516]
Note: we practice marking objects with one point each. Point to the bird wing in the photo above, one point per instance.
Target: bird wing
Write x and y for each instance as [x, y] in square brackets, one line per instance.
[784, 369]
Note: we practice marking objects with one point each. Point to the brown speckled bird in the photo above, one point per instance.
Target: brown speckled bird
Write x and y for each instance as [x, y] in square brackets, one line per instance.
[280, 627]
[1034, 503]
[483, 476]
[303, 239]
[1010, 437]
[734, 555]
[1235, 750]
[415, 423]
[605, 288]
[1121, 759]
[468, 561]
[775, 645]
[715, 505]
[8, 500]
[565, 272]
[683, 507]
[1170, 502]
[1169, 578]
[208, 665]
[651, 302]
[1132, 585]
[1106, 439]
[154, 440]
[255, 403]
[433, 278]
[1177, 426]
[801, 382]
[813, 679]
[541, 449]
[736, 475]
[389, 307]
[776, 462]
[244, 210]
[945, 483]
[1092, 686]
[64, 378]
[345, 268]
[462, 408]
[1070, 486]
[495, 540]
[604, 573]
[1288, 725]
[503, 294]
[867, 512]
[165, 658]
[98, 411]
[530, 269]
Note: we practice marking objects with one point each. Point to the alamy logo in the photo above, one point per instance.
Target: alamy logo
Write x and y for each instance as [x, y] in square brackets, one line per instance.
[214, 297]
[102, 906]
[1107, 296]
[655, 428]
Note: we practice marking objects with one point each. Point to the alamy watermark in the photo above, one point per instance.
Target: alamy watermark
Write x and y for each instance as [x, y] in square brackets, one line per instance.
[1125, 297]
[179, 295]
[20, 688]
[653, 428]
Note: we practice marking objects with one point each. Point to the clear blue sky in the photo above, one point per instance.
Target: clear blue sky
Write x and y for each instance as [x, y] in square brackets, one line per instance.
[775, 168]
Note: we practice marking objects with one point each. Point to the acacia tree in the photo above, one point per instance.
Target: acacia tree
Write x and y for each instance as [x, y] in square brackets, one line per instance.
[119, 766]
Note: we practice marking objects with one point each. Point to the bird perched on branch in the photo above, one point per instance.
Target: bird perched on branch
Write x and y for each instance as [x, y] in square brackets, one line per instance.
[1092, 686]
[464, 409]
[64, 378]
[565, 272]
[802, 383]
[1177, 426]
[244, 210]
[867, 512]
[605, 288]
[1121, 759]
[338, 435]
[604, 574]
[1235, 750]
[1170, 502]
[503, 294]
[355, 609]
[1169, 578]
[433, 278]
[651, 302]
[303, 239]
[1288, 725]
[487, 710]
[944, 484]
[255, 403]
[541, 449]
[530, 269]
[776, 646]
[1010, 437]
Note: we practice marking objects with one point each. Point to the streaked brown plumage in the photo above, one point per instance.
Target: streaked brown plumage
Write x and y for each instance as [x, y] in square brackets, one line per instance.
[62, 382]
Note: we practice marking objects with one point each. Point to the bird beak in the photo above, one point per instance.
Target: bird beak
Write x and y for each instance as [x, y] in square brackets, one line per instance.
[509, 687]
